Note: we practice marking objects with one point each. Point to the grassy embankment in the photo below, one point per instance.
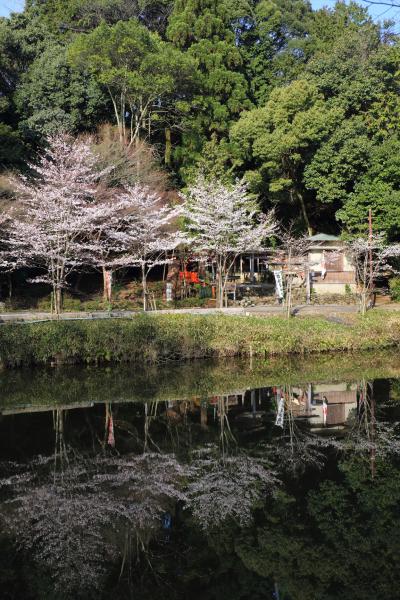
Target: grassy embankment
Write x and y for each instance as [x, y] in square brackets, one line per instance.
[159, 338]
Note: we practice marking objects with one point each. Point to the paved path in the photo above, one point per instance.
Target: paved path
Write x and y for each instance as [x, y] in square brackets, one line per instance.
[304, 309]
[313, 310]
[115, 314]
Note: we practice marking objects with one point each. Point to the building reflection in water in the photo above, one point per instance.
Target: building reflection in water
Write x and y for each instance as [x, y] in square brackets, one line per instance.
[321, 406]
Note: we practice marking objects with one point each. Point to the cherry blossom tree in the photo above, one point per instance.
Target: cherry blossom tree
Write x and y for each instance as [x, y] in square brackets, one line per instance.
[372, 258]
[126, 166]
[293, 256]
[223, 222]
[146, 232]
[5, 264]
[103, 248]
[56, 213]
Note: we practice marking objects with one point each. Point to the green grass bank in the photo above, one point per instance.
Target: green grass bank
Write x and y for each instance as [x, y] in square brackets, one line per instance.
[160, 338]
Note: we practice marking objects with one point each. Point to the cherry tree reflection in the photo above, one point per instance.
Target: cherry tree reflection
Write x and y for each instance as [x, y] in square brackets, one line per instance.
[75, 522]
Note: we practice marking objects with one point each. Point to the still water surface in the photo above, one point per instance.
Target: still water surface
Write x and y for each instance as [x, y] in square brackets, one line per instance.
[215, 481]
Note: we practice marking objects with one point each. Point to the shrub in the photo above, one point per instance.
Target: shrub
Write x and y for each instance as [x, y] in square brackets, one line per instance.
[190, 302]
[72, 304]
[394, 286]
[44, 304]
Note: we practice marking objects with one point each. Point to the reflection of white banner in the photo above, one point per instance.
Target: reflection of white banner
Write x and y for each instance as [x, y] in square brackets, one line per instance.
[281, 413]
[278, 284]
[324, 410]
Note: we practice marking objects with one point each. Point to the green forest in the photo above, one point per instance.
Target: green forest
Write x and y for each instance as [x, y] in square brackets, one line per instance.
[302, 104]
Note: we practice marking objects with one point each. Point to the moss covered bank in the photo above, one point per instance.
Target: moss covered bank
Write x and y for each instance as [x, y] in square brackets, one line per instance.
[159, 338]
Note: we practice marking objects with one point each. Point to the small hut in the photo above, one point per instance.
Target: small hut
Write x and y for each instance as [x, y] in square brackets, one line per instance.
[330, 267]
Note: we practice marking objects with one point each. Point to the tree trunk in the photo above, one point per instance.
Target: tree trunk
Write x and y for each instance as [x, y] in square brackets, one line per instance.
[10, 287]
[119, 126]
[304, 213]
[107, 284]
[104, 271]
[308, 285]
[168, 146]
[220, 290]
[58, 300]
[289, 296]
[144, 286]
[363, 303]
[203, 415]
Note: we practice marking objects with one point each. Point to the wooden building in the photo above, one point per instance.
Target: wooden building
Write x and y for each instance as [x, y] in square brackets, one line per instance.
[331, 271]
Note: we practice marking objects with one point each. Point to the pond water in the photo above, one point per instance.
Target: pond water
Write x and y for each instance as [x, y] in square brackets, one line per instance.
[231, 480]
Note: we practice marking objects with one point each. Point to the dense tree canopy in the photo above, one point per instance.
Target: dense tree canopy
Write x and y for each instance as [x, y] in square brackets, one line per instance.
[137, 69]
[280, 137]
[303, 104]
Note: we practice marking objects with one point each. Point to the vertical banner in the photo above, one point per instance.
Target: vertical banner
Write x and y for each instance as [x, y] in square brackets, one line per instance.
[168, 292]
[323, 265]
[278, 284]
